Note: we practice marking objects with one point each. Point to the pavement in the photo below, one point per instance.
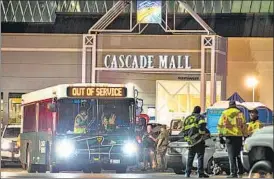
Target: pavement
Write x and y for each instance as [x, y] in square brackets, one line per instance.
[14, 172]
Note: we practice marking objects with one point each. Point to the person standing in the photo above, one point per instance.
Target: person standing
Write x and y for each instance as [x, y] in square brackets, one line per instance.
[161, 148]
[232, 126]
[255, 123]
[194, 131]
[149, 140]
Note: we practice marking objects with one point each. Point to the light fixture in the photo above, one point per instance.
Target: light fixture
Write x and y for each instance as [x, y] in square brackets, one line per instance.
[252, 82]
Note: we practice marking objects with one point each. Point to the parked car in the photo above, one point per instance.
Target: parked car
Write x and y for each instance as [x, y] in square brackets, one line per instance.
[9, 148]
[176, 155]
[258, 154]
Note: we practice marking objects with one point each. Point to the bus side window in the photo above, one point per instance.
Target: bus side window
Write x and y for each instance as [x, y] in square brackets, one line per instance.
[45, 117]
[29, 122]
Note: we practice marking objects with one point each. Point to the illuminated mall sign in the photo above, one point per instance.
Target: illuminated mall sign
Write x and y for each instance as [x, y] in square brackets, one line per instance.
[147, 61]
[96, 92]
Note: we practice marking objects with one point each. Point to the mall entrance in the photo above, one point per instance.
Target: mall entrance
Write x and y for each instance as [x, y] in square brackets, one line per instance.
[176, 99]
[155, 63]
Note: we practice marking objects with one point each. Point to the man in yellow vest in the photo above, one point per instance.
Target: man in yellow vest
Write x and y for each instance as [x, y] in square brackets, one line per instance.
[81, 122]
[255, 123]
[232, 126]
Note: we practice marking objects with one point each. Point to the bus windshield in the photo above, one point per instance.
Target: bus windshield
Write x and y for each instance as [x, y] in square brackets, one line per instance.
[94, 115]
[11, 132]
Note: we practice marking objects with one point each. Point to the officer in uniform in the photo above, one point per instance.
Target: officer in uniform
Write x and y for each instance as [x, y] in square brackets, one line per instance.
[232, 126]
[162, 142]
[255, 123]
[194, 131]
[81, 122]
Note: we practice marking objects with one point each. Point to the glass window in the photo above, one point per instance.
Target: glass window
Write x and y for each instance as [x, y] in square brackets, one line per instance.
[29, 122]
[104, 114]
[265, 6]
[11, 132]
[15, 100]
[2, 107]
[45, 117]
[255, 6]
[246, 5]
[226, 7]
[236, 6]
[72, 110]
[271, 7]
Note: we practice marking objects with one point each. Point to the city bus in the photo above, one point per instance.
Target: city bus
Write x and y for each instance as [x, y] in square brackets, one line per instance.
[82, 127]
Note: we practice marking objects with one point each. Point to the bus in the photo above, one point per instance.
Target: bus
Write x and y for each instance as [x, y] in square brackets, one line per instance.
[79, 127]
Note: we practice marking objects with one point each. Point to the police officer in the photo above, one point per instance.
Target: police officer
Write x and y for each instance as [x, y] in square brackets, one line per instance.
[81, 122]
[232, 126]
[255, 123]
[162, 142]
[194, 131]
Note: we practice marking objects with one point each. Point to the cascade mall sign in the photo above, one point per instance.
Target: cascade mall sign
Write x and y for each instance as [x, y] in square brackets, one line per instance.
[147, 61]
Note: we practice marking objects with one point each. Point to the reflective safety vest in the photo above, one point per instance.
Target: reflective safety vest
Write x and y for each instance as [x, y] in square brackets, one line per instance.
[232, 123]
[191, 128]
[80, 124]
[254, 126]
[109, 123]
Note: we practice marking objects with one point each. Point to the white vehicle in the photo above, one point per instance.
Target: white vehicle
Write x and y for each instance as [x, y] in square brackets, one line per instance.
[258, 154]
[9, 148]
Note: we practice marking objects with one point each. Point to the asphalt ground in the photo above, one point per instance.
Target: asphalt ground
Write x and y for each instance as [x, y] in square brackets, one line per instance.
[16, 172]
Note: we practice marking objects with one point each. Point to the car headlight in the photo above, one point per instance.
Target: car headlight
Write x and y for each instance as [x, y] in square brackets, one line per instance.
[5, 145]
[130, 148]
[64, 148]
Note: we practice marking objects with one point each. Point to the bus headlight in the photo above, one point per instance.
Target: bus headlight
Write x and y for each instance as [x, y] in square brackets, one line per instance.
[64, 148]
[5, 145]
[130, 148]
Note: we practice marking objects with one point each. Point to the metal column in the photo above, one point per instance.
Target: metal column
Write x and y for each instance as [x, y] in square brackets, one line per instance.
[203, 78]
[89, 42]
[208, 42]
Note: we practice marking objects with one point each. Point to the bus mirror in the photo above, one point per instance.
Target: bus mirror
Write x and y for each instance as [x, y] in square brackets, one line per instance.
[52, 107]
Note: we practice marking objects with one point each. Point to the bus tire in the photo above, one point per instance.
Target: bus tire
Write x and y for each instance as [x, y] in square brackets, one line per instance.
[42, 169]
[3, 165]
[121, 169]
[96, 169]
[30, 167]
[87, 169]
[53, 169]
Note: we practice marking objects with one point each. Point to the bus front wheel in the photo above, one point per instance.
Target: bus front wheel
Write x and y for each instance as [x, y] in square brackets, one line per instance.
[121, 169]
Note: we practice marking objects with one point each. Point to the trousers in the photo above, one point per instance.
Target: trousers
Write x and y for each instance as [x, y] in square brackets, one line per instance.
[198, 149]
[149, 157]
[234, 147]
[161, 158]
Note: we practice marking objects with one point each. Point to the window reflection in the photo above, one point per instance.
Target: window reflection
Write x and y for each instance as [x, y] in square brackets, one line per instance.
[2, 107]
[15, 100]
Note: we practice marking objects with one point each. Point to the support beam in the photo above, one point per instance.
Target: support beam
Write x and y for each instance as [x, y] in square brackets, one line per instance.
[84, 61]
[89, 42]
[209, 42]
[197, 17]
[111, 15]
[213, 71]
[203, 78]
